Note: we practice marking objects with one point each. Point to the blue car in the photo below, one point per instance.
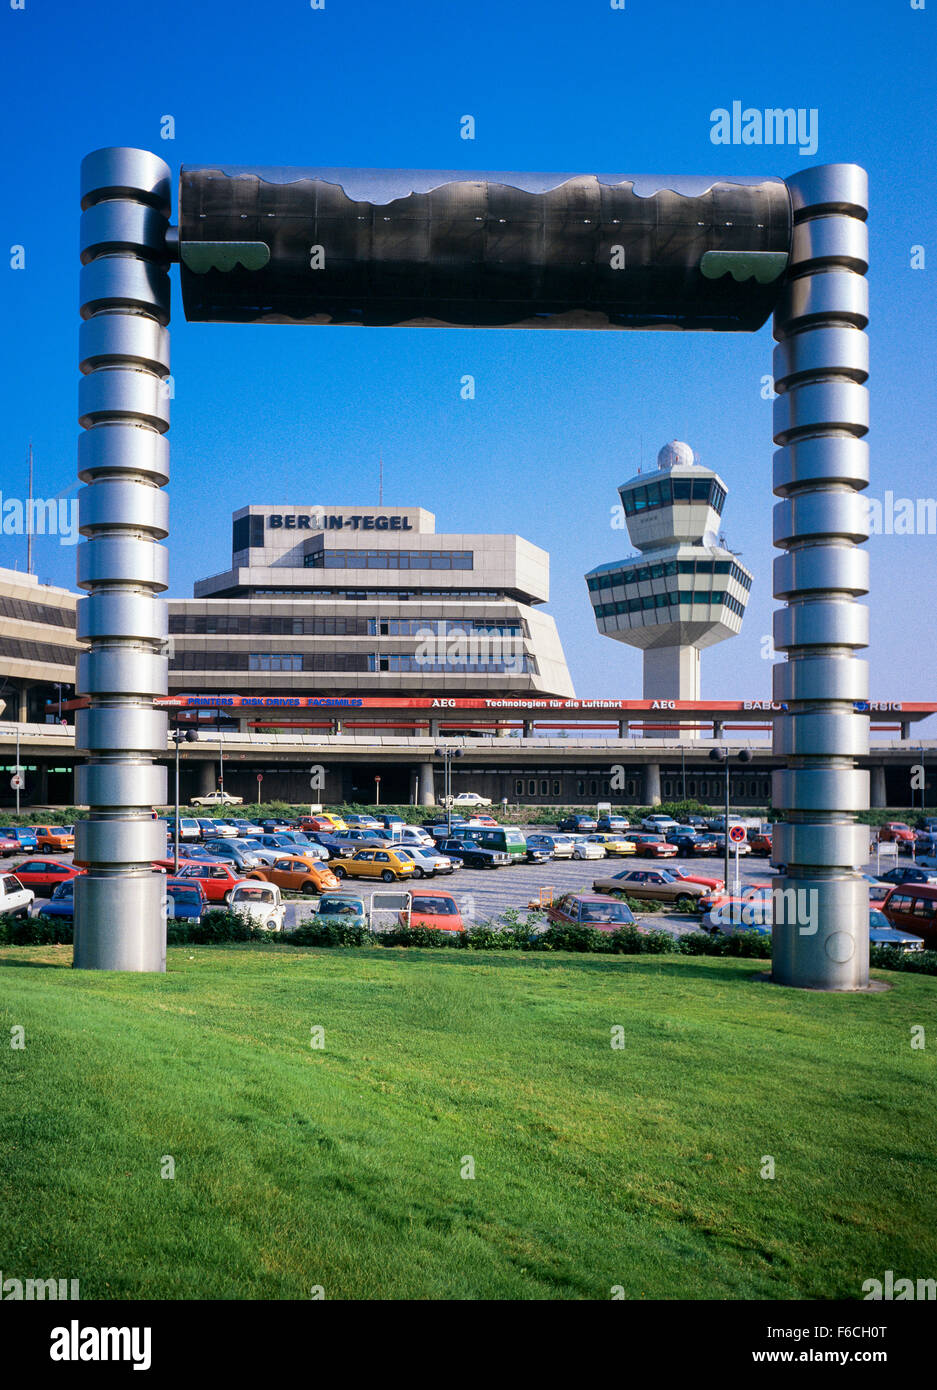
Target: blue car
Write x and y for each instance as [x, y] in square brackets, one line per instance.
[26, 837]
[882, 933]
[187, 897]
[62, 901]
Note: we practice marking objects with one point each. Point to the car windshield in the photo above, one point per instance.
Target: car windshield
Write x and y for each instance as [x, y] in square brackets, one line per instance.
[604, 912]
[64, 890]
[253, 895]
[341, 907]
[183, 892]
[878, 919]
[56, 829]
[439, 907]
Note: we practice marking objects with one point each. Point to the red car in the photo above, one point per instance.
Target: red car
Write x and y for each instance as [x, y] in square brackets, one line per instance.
[714, 883]
[654, 846]
[9, 844]
[430, 908]
[43, 876]
[719, 896]
[218, 880]
[761, 844]
[897, 830]
[597, 910]
[323, 822]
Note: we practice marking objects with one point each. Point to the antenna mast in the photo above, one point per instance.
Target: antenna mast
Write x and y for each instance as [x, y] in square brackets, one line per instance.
[29, 514]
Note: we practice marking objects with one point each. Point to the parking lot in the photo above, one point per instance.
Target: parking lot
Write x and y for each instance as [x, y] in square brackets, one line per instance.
[486, 894]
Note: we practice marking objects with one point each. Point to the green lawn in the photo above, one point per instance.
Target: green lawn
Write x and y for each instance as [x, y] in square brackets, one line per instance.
[341, 1167]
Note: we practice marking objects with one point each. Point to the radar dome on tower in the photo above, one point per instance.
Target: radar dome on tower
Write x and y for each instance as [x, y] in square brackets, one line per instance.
[674, 453]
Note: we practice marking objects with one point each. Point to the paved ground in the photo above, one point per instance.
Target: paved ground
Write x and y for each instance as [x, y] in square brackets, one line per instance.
[485, 894]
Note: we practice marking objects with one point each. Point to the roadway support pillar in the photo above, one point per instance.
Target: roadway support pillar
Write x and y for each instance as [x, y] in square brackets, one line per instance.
[427, 787]
[652, 784]
[120, 914]
[877, 794]
[821, 413]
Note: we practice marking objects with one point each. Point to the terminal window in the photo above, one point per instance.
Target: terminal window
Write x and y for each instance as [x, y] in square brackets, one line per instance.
[390, 559]
[670, 490]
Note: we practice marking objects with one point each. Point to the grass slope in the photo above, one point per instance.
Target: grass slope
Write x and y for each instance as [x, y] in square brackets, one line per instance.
[340, 1167]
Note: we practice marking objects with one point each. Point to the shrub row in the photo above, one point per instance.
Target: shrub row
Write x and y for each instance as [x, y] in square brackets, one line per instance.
[217, 928]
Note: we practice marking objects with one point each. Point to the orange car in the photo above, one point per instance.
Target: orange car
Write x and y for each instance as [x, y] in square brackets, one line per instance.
[53, 837]
[430, 908]
[298, 873]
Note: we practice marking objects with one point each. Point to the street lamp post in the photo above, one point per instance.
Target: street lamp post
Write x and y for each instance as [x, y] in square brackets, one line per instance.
[221, 764]
[447, 754]
[179, 736]
[724, 755]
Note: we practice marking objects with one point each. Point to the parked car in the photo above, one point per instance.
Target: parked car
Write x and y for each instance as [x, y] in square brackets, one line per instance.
[584, 847]
[659, 823]
[390, 818]
[612, 822]
[430, 908]
[225, 829]
[188, 828]
[321, 821]
[247, 828]
[43, 875]
[342, 908]
[25, 837]
[882, 933]
[347, 840]
[471, 855]
[652, 885]
[440, 830]
[261, 903]
[15, 898]
[653, 846]
[290, 842]
[237, 852]
[711, 882]
[52, 837]
[913, 907]
[207, 829]
[484, 820]
[557, 846]
[9, 844]
[188, 854]
[578, 824]
[720, 842]
[218, 880]
[297, 873]
[217, 799]
[409, 835]
[357, 821]
[698, 822]
[760, 843]
[62, 901]
[427, 863]
[897, 830]
[730, 916]
[690, 843]
[187, 897]
[591, 910]
[615, 845]
[908, 874]
[470, 799]
[385, 864]
[274, 825]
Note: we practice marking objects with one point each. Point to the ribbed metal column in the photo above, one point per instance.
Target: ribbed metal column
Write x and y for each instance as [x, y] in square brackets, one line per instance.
[123, 458]
[821, 935]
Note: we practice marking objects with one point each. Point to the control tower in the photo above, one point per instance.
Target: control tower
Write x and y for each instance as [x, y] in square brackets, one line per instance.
[685, 592]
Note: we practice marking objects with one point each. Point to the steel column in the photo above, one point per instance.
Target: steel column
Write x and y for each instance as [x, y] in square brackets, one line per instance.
[821, 931]
[123, 458]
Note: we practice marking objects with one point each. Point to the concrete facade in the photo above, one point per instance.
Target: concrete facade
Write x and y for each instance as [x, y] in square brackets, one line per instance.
[358, 602]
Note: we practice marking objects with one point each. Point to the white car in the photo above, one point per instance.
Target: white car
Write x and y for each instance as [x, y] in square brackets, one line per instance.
[584, 848]
[217, 799]
[15, 900]
[188, 828]
[663, 824]
[471, 799]
[261, 902]
[413, 836]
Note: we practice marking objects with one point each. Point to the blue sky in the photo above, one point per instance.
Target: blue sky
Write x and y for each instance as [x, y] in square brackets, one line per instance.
[302, 415]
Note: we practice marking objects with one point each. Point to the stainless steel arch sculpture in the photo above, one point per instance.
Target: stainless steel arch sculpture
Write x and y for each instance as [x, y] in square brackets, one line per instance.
[384, 247]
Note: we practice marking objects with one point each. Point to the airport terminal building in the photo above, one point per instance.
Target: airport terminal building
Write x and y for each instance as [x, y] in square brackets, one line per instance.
[356, 602]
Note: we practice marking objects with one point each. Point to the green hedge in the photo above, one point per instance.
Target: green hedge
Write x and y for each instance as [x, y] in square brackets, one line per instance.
[218, 928]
